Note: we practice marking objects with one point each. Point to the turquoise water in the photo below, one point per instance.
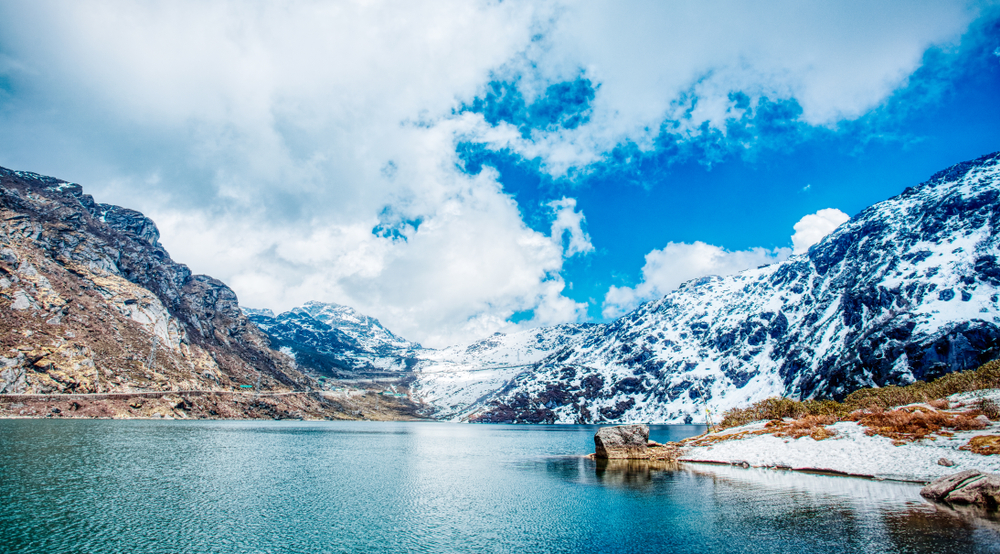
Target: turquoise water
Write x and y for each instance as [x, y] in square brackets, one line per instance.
[178, 487]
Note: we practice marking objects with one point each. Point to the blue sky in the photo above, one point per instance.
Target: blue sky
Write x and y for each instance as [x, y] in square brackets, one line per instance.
[456, 168]
[726, 195]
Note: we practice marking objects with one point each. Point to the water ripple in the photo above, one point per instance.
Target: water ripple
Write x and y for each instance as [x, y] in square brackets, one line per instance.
[227, 487]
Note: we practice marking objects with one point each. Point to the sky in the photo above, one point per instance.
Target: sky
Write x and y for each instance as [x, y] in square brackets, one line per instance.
[461, 167]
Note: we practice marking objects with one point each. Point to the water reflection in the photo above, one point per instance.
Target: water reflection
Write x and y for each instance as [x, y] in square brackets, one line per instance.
[633, 474]
[102, 486]
[826, 513]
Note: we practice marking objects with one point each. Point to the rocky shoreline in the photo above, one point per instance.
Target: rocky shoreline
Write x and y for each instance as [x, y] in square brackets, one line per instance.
[234, 405]
[847, 448]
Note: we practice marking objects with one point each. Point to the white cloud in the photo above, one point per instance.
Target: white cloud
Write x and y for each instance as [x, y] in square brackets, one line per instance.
[268, 140]
[813, 227]
[653, 59]
[676, 263]
[568, 221]
[667, 268]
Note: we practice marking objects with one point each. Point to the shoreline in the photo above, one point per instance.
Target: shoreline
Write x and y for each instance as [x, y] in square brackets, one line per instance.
[207, 405]
[806, 470]
[847, 448]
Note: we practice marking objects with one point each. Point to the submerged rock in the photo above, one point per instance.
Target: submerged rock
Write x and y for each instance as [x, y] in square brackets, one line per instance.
[967, 487]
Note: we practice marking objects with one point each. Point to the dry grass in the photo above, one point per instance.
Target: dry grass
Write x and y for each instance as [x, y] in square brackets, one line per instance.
[922, 418]
[874, 400]
[711, 438]
[989, 408]
[983, 444]
[915, 423]
[987, 376]
[809, 426]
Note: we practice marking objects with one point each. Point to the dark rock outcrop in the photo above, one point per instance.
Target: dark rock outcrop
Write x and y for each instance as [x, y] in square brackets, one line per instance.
[969, 487]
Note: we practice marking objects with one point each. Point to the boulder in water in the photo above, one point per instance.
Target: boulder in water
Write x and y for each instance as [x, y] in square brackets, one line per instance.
[623, 442]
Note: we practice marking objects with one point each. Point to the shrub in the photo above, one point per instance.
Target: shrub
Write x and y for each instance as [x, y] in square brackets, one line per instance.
[989, 408]
[875, 400]
[915, 424]
[769, 408]
[983, 444]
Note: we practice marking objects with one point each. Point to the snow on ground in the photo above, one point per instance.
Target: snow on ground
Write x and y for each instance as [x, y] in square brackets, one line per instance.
[854, 453]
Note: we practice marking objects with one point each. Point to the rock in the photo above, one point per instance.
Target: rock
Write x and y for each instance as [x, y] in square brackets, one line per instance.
[622, 442]
[940, 488]
[56, 411]
[967, 487]
[979, 491]
[945, 462]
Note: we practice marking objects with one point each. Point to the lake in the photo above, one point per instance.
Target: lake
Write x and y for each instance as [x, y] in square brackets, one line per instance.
[250, 486]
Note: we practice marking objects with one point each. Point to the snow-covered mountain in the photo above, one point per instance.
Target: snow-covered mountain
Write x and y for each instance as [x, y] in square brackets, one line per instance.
[458, 379]
[906, 290]
[335, 340]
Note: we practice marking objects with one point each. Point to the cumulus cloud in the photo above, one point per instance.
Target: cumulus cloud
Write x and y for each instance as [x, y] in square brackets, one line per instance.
[813, 227]
[657, 61]
[568, 227]
[667, 268]
[676, 263]
[306, 149]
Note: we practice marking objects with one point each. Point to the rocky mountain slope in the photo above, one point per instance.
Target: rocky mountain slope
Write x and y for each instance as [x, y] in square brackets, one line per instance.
[906, 290]
[91, 302]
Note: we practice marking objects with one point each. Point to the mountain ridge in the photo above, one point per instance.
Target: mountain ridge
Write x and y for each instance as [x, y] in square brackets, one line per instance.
[905, 290]
[91, 302]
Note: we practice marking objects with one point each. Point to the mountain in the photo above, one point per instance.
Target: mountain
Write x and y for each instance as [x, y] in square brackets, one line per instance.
[906, 290]
[458, 378]
[90, 301]
[334, 340]
[338, 341]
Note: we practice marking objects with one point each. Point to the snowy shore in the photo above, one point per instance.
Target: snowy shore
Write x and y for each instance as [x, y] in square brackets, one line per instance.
[851, 451]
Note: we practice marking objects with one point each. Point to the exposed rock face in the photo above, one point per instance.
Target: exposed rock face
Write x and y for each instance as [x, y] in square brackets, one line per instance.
[909, 289]
[91, 302]
[622, 442]
[967, 487]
